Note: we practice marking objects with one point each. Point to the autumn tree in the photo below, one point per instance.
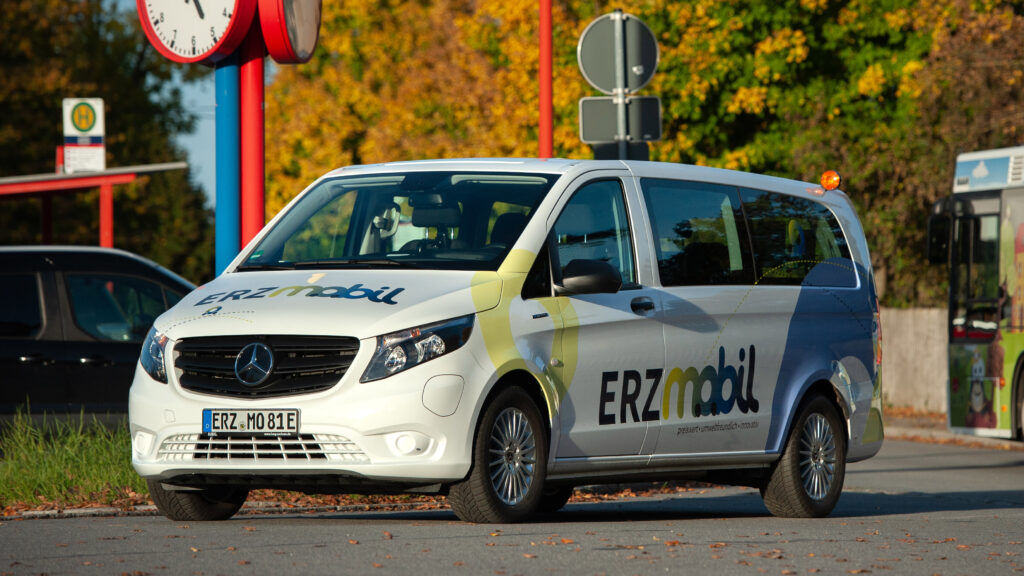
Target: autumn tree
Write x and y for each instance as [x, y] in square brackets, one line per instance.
[53, 49]
[873, 88]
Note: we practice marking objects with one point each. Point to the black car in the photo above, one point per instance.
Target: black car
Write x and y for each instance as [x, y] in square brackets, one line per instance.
[72, 322]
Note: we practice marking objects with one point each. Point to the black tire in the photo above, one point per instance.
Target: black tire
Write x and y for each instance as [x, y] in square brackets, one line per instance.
[510, 450]
[1019, 405]
[807, 480]
[218, 503]
[554, 499]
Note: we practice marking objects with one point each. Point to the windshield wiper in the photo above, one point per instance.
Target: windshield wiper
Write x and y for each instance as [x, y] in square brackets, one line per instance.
[251, 267]
[356, 263]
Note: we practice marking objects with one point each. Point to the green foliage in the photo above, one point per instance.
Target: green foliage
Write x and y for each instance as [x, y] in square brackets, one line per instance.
[53, 49]
[67, 460]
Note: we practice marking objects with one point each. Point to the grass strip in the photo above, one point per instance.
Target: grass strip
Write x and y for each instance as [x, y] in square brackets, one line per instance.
[66, 460]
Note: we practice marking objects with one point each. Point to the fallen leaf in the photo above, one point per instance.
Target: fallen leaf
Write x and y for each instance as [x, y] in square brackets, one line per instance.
[387, 535]
[193, 548]
[249, 528]
[860, 571]
[567, 540]
[459, 564]
[243, 562]
[353, 541]
[231, 548]
[718, 545]
[529, 555]
[377, 565]
[671, 543]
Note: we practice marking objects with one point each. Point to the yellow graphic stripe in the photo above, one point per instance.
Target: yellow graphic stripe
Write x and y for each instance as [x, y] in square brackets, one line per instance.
[493, 301]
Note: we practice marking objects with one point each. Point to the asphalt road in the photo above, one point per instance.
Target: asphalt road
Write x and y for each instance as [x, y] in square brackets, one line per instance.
[913, 509]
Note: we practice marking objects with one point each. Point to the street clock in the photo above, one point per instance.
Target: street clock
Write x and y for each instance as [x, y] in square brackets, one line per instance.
[196, 30]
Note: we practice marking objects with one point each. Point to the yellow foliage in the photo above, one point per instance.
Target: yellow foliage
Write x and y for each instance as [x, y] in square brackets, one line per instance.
[872, 81]
[909, 86]
[897, 19]
[814, 5]
[749, 100]
[793, 42]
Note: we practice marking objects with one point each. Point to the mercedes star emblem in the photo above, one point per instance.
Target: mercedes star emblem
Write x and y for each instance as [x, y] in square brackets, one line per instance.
[254, 363]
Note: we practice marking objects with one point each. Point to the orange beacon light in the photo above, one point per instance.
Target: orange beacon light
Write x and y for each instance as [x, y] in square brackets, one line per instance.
[830, 180]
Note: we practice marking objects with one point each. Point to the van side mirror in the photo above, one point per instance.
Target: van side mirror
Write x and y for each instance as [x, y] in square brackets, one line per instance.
[938, 239]
[589, 277]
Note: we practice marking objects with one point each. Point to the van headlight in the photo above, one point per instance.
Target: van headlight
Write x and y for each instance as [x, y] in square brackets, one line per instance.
[152, 358]
[402, 350]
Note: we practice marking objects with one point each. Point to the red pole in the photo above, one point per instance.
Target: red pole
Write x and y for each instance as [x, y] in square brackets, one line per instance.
[107, 215]
[546, 143]
[250, 86]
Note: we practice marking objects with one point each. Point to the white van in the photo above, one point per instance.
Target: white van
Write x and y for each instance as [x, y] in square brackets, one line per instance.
[501, 331]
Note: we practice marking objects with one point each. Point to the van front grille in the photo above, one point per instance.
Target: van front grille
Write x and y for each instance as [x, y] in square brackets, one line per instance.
[265, 449]
[302, 364]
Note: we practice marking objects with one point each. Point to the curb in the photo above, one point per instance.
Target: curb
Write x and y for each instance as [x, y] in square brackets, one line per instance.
[940, 436]
[249, 508]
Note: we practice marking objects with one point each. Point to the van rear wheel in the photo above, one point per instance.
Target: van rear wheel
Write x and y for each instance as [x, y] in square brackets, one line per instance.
[219, 503]
[807, 480]
[510, 451]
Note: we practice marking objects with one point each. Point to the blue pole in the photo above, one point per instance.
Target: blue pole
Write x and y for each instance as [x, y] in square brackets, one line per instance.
[227, 228]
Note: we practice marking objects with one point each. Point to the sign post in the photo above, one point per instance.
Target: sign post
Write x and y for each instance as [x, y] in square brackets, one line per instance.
[618, 55]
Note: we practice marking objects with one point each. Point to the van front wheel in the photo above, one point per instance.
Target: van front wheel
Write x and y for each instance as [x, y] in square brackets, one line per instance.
[218, 503]
[807, 480]
[510, 451]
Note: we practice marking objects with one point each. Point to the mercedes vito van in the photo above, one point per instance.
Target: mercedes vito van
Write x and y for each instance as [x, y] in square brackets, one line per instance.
[501, 331]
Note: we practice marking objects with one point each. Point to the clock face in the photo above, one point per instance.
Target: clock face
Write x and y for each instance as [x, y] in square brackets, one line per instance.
[196, 30]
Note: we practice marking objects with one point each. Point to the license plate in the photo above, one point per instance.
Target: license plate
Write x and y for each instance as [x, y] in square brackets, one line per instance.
[266, 422]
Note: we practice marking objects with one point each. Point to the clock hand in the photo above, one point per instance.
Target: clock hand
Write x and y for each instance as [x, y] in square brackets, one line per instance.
[199, 8]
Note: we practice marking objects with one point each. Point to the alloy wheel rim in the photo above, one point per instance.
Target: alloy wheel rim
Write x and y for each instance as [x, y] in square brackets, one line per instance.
[513, 456]
[817, 457]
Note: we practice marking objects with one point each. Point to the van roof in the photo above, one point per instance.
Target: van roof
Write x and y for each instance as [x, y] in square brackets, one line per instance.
[564, 165]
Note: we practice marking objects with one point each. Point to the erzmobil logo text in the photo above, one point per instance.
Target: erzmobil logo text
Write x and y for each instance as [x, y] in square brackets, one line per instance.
[353, 292]
[709, 394]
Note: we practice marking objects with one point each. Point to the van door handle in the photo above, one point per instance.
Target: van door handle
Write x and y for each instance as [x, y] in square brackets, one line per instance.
[642, 305]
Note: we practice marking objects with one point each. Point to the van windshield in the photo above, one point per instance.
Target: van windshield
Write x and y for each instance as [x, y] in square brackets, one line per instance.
[440, 220]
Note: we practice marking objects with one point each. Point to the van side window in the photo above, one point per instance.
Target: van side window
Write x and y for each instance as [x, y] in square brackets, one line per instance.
[699, 233]
[114, 308]
[593, 226]
[21, 315]
[796, 241]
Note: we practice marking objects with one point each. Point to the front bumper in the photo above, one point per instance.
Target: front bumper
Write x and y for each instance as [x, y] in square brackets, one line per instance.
[411, 429]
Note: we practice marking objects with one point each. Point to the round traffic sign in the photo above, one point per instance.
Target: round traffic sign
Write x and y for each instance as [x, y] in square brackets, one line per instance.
[597, 47]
